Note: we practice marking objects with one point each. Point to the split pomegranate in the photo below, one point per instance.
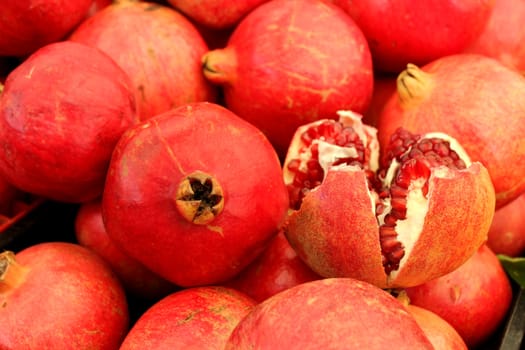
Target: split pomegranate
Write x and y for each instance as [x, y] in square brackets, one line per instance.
[292, 62]
[333, 313]
[26, 26]
[162, 57]
[476, 100]
[58, 295]
[402, 32]
[474, 298]
[194, 318]
[216, 14]
[417, 216]
[57, 126]
[194, 194]
[507, 231]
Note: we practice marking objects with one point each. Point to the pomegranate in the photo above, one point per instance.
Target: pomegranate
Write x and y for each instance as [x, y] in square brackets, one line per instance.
[289, 62]
[329, 314]
[384, 87]
[26, 26]
[97, 5]
[58, 295]
[136, 279]
[419, 215]
[58, 129]
[195, 194]
[193, 318]
[216, 14]
[276, 269]
[8, 195]
[474, 298]
[504, 35]
[507, 232]
[476, 100]
[163, 58]
[402, 32]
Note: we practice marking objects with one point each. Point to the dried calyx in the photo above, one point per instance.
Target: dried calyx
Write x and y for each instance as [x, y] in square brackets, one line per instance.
[11, 273]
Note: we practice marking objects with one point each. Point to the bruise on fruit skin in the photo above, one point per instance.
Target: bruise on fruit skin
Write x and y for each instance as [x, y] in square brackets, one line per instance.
[199, 198]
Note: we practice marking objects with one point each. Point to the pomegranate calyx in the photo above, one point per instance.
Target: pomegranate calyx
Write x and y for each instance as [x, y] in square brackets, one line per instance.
[413, 84]
[11, 272]
[199, 198]
[219, 65]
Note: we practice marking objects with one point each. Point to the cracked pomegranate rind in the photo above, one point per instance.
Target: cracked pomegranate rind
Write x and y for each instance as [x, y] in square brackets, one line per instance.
[402, 224]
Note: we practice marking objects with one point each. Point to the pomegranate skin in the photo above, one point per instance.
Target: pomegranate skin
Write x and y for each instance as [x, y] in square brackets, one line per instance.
[155, 159]
[216, 14]
[276, 269]
[291, 62]
[57, 127]
[336, 244]
[136, 279]
[474, 298]
[64, 297]
[163, 58]
[507, 232]
[402, 32]
[26, 26]
[476, 100]
[193, 318]
[337, 313]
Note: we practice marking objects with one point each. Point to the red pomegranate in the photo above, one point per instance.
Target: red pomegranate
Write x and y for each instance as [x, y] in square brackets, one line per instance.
[419, 215]
[195, 194]
[329, 314]
[276, 269]
[8, 195]
[384, 87]
[402, 32]
[476, 100]
[507, 231]
[193, 318]
[504, 35]
[291, 62]
[216, 14]
[163, 57]
[474, 298]
[136, 279]
[26, 26]
[57, 126]
[58, 295]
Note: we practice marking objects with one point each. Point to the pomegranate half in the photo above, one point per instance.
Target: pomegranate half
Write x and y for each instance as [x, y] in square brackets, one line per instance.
[418, 215]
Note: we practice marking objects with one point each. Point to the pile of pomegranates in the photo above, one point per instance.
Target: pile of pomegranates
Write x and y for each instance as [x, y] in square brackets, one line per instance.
[270, 174]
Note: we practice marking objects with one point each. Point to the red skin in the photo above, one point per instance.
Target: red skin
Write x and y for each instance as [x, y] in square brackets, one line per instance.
[504, 35]
[329, 314]
[162, 57]
[507, 232]
[384, 87]
[154, 158]
[98, 5]
[474, 299]
[193, 318]
[58, 138]
[401, 32]
[137, 279]
[28, 25]
[216, 14]
[292, 62]
[8, 195]
[61, 296]
[276, 269]
[475, 99]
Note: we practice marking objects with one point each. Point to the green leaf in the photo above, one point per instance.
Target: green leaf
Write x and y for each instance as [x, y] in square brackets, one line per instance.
[515, 268]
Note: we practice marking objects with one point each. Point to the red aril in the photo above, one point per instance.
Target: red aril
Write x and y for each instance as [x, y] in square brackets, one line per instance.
[57, 124]
[504, 35]
[476, 100]
[216, 14]
[276, 269]
[507, 231]
[292, 62]
[195, 194]
[58, 295]
[162, 57]
[474, 298]
[402, 32]
[26, 26]
[416, 216]
[194, 318]
[136, 279]
[329, 314]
